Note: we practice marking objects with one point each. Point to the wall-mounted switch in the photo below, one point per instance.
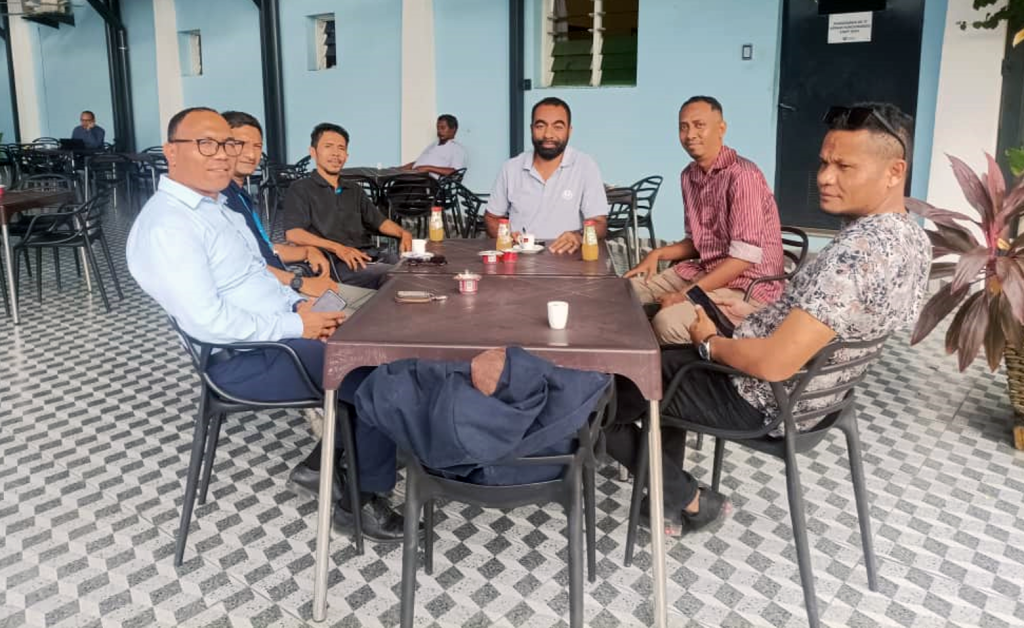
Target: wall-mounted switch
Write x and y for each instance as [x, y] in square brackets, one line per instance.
[748, 52]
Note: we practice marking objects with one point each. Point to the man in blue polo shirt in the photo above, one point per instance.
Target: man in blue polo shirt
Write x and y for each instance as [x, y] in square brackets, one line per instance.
[246, 128]
[550, 192]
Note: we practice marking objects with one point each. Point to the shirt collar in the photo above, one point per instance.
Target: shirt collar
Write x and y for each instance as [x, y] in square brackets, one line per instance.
[726, 157]
[185, 194]
[319, 180]
[568, 159]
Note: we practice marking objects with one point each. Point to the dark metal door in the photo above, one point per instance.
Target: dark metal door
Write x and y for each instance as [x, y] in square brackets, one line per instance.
[815, 74]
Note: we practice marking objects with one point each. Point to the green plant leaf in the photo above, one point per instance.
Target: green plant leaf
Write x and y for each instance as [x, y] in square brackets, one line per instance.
[972, 332]
[970, 265]
[936, 309]
[995, 341]
[1015, 157]
[973, 189]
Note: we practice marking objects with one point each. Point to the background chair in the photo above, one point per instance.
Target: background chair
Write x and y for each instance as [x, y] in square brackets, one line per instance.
[215, 404]
[620, 222]
[75, 229]
[467, 210]
[795, 246]
[106, 173]
[840, 414]
[423, 487]
[409, 198]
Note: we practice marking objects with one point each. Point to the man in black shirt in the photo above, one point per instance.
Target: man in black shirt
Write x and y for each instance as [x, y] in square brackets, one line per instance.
[339, 219]
[246, 128]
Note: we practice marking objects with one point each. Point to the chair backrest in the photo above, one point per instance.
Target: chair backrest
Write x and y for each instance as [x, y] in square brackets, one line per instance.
[53, 182]
[201, 354]
[646, 192]
[303, 164]
[795, 246]
[825, 387]
[46, 142]
[154, 150]
[472, 207]
[410, 195]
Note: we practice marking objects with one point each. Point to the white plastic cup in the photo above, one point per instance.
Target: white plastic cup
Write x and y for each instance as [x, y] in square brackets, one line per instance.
[558, 314]
[528, 240]
[419, 246]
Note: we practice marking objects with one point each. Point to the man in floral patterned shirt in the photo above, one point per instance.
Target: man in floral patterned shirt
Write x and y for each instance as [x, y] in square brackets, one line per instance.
[868, 282]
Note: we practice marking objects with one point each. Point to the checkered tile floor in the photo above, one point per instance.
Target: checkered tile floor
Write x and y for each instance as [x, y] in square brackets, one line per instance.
[95, 420]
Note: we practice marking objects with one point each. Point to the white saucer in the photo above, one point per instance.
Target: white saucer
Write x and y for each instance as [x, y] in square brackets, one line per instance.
[536, 248]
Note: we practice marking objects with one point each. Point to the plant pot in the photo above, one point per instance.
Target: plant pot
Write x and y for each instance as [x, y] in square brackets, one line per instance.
[1015, 385]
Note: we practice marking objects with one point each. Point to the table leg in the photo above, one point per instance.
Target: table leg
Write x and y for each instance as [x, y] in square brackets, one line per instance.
[657, 518]
[323, 525]
[9, 260]
[636, 231]
[85, 269]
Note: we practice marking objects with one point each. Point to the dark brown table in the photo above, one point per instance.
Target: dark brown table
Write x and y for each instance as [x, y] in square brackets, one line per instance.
[377, 176]
[12, 203]
[464, 255]
[607, 332]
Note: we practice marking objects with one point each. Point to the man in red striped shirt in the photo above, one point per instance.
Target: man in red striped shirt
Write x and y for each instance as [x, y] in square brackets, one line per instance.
[732, 226]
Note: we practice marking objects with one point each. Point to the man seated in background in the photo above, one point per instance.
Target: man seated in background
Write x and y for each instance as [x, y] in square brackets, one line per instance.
[445, 156]
[339, 218]
[868, 282]
[200, 262]
[550, 191]
[91, 135]
[732, 226]
[247, 130]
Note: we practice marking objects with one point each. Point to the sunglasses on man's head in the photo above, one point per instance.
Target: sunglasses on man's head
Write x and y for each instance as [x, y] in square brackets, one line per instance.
[855, 118]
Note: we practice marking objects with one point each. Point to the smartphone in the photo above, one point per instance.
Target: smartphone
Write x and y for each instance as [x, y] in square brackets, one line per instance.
[329, 301]
[697, 296]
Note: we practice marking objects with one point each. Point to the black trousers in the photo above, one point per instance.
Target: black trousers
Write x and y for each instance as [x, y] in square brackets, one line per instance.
[705, 397]
[269, 375]
[373, 276]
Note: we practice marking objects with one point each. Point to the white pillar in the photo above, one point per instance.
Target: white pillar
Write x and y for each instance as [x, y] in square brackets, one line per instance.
[23, 53]
[419, 84]
[168, 64]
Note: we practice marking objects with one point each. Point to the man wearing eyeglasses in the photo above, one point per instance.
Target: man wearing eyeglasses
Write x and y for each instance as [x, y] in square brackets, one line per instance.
[733, 234]
[199, 261]
[867, 283]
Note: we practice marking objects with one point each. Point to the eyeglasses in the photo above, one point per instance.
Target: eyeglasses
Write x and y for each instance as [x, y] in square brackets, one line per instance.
[437, 260]
[209, 148]
[856, 118]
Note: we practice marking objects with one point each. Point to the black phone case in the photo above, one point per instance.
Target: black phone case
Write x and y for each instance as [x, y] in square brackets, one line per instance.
[698, 297]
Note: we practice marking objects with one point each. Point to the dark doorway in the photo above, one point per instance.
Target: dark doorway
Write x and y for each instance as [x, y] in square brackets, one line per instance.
[815, 74]
[1011, 110]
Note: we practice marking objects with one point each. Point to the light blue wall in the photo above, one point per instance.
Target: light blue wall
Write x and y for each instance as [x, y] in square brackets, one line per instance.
[927, 93]
[471, 55]
[6, 113]
[363, 93]
[686, 47]
[232, 72]
[72, 74]
[138, 19]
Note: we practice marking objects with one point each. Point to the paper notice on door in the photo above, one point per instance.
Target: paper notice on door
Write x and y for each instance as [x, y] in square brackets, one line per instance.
[848, 28]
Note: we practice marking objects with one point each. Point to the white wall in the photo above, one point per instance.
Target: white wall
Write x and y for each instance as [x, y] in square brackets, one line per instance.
[967, 108]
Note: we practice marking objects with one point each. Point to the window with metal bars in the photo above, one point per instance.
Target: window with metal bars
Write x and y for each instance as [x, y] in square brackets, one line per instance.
[590, 42]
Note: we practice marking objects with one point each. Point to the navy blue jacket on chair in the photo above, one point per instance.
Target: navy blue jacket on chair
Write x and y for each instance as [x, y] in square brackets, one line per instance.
[432, 410]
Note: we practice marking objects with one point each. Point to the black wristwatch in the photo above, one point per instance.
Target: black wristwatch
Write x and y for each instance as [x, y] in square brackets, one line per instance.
[704, 348]
[296, 283]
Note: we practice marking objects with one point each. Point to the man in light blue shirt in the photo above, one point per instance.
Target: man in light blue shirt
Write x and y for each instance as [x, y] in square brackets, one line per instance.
[200, 262]
[550, 192]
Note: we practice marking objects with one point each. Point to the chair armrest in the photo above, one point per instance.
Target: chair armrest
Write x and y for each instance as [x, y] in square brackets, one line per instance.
[276, 346]
[750, 288]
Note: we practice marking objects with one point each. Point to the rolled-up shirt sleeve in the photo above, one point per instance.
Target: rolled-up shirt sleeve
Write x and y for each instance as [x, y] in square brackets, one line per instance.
[190, 295]
[746, 217]
[497, 204]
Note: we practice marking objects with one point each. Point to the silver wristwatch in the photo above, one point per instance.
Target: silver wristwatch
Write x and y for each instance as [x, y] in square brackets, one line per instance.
[704, 348]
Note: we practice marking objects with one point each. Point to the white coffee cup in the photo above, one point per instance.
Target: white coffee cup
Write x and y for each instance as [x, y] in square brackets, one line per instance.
[528, 240]
[419, 246]
[558, 314]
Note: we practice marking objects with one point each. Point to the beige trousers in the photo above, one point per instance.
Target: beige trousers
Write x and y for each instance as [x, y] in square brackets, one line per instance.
[672, 324]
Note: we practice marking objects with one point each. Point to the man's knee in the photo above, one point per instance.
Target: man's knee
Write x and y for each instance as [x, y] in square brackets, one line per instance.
[643, 290]
[672, 324]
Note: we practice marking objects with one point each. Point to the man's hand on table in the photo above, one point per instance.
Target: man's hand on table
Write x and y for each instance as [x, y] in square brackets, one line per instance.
[353, 257]
[405, 242]
[318, 325]
[567, 243]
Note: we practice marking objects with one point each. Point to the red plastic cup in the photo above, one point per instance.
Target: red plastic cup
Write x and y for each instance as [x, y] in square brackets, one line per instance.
[490, 257]
[510, 257]
[469, 283]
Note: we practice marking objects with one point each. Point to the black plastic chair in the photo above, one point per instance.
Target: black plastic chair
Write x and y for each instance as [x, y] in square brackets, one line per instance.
[108, 172]
[468, 211]
[78, 228]
[840, 414]
[423, 487]
[274, 187]
[409, 198]
[795, 245]
[3, 289]
[619, 221]
[215, 403]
